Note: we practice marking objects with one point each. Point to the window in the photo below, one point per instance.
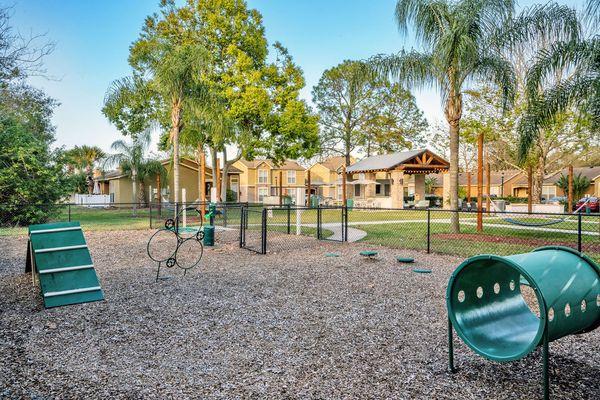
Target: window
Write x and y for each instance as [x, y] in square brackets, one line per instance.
[262, 193]
[356, 190]
[378, 190]
[263, 176]
[291, 177]
[549, 191]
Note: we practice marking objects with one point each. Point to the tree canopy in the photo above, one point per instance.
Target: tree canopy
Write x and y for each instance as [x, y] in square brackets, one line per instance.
[361, 112]
[202, 69]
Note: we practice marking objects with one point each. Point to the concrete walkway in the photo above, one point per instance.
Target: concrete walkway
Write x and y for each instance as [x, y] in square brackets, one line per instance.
[354, 234]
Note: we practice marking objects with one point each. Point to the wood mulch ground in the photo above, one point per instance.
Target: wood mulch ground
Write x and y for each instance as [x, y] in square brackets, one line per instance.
[290, 324]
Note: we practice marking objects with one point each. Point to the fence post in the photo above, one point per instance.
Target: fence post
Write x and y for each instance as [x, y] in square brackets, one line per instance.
[150, 210]
[242, 226]
[69, 212]
[319, 222]
[579, 232]
[428, 231]
[289, 212]
[345, 206]
[264, 231]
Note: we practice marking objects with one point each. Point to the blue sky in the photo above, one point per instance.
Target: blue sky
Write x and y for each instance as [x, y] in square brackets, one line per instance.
[93, 37]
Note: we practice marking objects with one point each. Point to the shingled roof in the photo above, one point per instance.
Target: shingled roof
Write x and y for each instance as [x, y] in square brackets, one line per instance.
[388, 161]
[495, 177]
[333, 163]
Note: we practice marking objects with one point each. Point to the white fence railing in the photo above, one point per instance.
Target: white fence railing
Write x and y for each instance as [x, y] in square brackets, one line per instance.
[92, 200]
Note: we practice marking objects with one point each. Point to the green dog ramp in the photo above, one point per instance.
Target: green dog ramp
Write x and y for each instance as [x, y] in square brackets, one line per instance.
[59, 255]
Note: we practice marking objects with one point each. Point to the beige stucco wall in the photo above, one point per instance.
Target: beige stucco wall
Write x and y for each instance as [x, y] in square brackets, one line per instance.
[121, 189]
[249, 186]
[188, 180]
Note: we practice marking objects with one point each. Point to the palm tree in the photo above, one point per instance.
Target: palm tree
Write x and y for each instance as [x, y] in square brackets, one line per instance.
[148, 171]
[176, 76]
[580, 90]
[166, 85]
[580, 185]
[85, 158]
[457, 39]
[130, 158]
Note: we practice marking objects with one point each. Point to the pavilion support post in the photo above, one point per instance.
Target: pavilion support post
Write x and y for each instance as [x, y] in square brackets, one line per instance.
[397, 189]
[446, 190]
[480, 183]
[570, 189]
[419, 187]
[488, 188]
[530, 189]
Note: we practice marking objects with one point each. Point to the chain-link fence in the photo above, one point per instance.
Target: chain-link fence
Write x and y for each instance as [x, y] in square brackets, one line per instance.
[430, 230]
[15, 218]
[457, 232]
[280, 228]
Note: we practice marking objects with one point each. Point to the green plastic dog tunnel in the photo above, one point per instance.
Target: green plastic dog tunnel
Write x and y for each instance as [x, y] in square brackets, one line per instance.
[500, 322]
[58, 254]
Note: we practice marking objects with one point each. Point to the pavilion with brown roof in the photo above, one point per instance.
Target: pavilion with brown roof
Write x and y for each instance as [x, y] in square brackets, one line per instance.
[382, 180]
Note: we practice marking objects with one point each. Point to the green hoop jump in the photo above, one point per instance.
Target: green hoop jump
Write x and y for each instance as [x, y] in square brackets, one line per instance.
[488, 311]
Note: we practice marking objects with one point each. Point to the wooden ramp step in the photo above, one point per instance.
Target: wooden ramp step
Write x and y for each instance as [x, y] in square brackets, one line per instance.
[60, 256]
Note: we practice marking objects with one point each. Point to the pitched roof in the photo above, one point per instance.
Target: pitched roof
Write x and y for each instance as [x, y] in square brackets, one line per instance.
[495, 177]
[186, 162]
[192, 164]
[287, 164]
[589, 172]
[117, 173]
[333, 163]
[385, 161]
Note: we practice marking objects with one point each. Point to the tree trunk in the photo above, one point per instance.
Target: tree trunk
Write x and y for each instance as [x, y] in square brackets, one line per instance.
[213, 156]
[224, 177]
[89, 179]
[202, 179]
[134, 189]
[142, 195]
[158, 191]
[175, 124]
[538, 180]
[453, 113]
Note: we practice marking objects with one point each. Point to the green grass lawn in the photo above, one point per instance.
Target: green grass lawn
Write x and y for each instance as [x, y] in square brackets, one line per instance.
[393, 228]
[493, 240]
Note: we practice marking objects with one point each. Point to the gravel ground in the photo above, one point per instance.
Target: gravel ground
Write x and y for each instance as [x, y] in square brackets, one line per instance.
[292, 324]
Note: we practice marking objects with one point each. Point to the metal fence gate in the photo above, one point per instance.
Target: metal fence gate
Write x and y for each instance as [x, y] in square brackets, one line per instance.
[332, 223]
[253, 229]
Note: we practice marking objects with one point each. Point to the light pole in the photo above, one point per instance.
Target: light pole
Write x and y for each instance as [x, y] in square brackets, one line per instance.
[502, 185]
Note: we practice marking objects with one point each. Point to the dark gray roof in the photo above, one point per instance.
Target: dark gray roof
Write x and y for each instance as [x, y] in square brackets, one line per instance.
[384, 161]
